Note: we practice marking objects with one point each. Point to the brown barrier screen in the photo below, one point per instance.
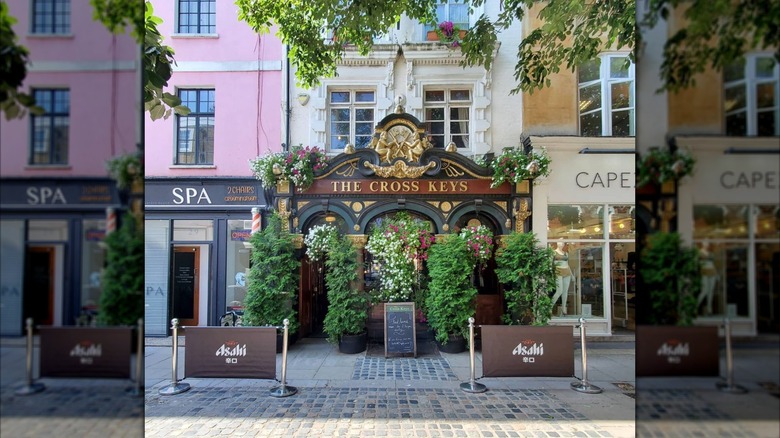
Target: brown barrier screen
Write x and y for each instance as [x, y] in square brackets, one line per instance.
[242, 352]
[524, 351]
[677, 351]
[85, 352]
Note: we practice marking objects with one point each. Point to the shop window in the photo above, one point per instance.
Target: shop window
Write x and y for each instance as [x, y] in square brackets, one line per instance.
[185, 230]
[607, 97]
[456, 11]
[584, 221]
[751, 96]
[93, 258]
[731, 239]
[47, 231]
[351, 118]
[197, 16]
[50, 130]
[447, 117]
[51, 17]
[195, 131]
[238, 262]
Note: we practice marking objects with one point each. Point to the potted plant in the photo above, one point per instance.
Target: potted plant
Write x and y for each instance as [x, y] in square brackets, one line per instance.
[296, 166]
[273, 278]
[122, 299]
[670, 273]
[448, 33]
[514, 166]
[451, 297]
[667, 341]
[660, 166]
[345, 321]
[526, 268]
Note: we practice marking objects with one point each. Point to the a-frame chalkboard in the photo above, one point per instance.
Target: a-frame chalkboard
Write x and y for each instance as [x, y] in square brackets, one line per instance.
[400, 330]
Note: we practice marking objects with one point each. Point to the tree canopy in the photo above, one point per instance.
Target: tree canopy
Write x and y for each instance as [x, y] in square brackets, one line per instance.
[715, 34]
[574, 31]
[13, 70]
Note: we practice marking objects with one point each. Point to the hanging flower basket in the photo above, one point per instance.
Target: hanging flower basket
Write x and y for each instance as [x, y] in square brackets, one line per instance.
[514, 166]
[297, 166]
[659, 166]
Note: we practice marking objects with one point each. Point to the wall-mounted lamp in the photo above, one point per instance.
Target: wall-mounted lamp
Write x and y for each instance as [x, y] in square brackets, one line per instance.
[303, 98]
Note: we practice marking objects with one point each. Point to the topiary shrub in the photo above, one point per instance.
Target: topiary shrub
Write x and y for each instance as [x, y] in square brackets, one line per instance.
[122, 300]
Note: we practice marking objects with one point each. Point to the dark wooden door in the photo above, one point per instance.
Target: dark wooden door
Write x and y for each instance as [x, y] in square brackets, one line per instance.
[305, 297]
[186, 260]
[39, 285]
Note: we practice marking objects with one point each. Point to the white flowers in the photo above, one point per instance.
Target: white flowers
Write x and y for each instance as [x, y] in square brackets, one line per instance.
[318, 239]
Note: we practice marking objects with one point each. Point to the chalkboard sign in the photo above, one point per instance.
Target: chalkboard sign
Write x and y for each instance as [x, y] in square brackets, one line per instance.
[400, 331]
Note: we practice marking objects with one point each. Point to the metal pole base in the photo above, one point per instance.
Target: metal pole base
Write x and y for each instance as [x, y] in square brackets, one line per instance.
[473, 387]
[174, 389]
[587, 388]
[733, 389]
[30, 389]
[133, 391]
[283, 391]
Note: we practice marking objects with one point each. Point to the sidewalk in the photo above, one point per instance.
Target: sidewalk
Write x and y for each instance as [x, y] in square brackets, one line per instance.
[368, 395]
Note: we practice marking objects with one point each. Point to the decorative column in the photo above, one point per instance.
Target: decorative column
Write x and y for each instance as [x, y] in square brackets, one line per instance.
[110, 220]
[255, 220]
[521, 214]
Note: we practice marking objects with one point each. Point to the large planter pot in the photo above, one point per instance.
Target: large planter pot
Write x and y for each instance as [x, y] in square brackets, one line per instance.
[291, 339]
[455, 344]
[353, 344]
[424, 333]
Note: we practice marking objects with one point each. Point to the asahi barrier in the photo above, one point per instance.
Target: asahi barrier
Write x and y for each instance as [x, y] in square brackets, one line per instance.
[85, 351]
[232, 352]
[677, 351]
[524, 351]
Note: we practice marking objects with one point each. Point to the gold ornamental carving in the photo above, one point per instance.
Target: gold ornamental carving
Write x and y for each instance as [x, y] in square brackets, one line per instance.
[283, 187]
[521, 215]
[297, 240]
[359, 241]
[399, 169]
[402, 140]
[284, 213]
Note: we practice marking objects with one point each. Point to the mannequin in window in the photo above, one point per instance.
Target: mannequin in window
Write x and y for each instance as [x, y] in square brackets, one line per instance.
[564, 277]
[709, 277]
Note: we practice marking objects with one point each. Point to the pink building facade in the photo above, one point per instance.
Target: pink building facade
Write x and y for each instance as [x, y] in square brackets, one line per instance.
[55, 184]
[200, 190]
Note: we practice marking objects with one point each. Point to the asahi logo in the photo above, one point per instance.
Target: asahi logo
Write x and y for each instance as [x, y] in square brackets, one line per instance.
[231, 350]
[86, 351]
[674, 350]
[528, 349]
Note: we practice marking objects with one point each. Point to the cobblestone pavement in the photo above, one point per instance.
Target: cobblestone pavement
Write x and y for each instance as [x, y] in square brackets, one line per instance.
[358, 412]
[67, 407]
[424, 368]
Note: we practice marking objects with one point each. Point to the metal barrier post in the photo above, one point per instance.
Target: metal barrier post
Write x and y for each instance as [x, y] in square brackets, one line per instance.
[472, 385]
[283, 390]
[729, 385]
[175, 387]
[30, 387]
[137, 389]
[584, 385]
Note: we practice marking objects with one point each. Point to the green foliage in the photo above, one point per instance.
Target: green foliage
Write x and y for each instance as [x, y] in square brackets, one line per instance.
[660, 165]
[592, 26]
[122, 300]
[272, 283]
[297, 166]
[669, 271]
[716, 34]
[527, 270]
[451, 297]
[157, 61]
[13, 69]
[514, 165]
[126, 169]
[347, 307]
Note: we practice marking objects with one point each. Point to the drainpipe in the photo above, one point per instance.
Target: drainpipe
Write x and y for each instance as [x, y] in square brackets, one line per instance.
[288, 110]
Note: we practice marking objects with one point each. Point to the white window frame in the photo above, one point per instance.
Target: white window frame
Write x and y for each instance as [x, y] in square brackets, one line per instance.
[606, 95]
[352, 105]
[751, 81]
[447, 104]
[474, 14]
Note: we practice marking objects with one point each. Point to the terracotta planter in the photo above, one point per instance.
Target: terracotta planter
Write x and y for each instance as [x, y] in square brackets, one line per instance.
[433, 36]
[353, 344]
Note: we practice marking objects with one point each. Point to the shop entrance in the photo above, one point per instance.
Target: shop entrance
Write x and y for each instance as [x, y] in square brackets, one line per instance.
[313, 302]
[38, 301]
[186, 260]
